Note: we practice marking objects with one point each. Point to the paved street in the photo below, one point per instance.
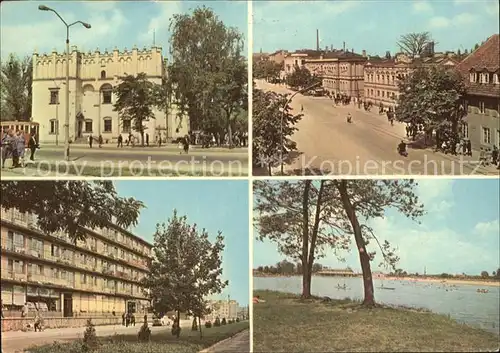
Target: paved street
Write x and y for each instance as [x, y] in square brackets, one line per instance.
[327, 143]
[129, 161]
[240, 343]
[13, 342]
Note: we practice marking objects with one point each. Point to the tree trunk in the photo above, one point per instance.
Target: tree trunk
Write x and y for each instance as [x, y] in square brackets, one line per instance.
[306, 288]
[314, 234]
[199, 325]
[269, 169]
[229, 130]
[178, 319]
[369, 299]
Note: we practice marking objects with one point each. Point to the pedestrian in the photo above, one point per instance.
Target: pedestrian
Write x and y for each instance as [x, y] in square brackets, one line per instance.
[185, 143]
[14, 148]
[147, 139]
[24, 310]
[38, 321]
[33, 146]
[21, 146]
[120, 141]
[469, 148]
[130, 139]
[482, 155]
[494, 155]
[132, 319]
[123, 319]
[127, 320]
[91, 140]
[101, 141]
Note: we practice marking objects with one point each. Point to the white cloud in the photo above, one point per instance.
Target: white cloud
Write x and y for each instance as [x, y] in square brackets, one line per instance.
[491, 228]
[422, 6]
[436, 195]
[158, 26]
[439, 22]
[457, 21]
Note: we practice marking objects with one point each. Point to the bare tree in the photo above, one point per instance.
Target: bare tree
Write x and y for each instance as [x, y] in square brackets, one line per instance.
[414, 43]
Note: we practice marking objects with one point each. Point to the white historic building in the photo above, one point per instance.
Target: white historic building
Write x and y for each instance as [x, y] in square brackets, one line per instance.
[92, 77]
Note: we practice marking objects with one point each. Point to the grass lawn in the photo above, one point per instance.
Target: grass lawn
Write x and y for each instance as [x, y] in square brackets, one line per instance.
[161, 342]
[285, 323]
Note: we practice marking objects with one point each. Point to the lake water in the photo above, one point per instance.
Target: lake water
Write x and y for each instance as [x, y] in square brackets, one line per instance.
[461, 302]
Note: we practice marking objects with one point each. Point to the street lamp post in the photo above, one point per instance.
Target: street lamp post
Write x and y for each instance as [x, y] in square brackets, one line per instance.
[57, 111]
[283, 115]
[66, 121]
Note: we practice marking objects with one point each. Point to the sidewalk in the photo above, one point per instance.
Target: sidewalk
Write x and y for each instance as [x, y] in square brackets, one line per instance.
[149, 149]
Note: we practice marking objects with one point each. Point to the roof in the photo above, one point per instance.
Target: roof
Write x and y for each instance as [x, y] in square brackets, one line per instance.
[484, 58]
[279, 52]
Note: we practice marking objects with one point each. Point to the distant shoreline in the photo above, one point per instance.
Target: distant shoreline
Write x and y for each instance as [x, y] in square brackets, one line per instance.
[475, 282]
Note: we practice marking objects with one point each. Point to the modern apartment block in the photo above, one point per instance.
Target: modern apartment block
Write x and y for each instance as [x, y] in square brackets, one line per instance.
[97, 277]
[228, 309]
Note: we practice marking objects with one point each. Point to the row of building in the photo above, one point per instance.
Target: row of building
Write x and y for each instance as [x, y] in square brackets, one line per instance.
[375, 79]
[99, 277]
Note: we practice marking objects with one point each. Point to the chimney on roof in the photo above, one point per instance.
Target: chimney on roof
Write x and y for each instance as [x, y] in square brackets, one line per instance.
[352, 50]
[317, 39]
[343, 48]
[364, 53]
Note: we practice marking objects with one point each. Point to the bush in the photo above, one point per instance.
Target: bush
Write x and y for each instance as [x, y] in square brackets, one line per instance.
[217, 322]
[223, 322]
[208, 324]
[144, 333]
[89, 337]
[194, 326]
[176, 329]
[237, 319]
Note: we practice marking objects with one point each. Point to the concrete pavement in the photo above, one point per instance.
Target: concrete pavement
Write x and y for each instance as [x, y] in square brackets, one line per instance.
[15, 341]
[327, 144]
[239, 343]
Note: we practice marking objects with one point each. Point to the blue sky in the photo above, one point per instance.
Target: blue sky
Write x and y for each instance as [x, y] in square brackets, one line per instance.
[114, 23]
[459, 233]
[371, 25]
[213, 205]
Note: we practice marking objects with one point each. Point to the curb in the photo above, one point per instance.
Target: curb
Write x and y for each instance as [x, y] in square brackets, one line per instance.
[209, 349]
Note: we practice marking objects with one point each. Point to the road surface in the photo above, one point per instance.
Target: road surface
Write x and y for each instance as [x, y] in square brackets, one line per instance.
[327, 144]
[239, 343]
[197, 161]
[13, 342]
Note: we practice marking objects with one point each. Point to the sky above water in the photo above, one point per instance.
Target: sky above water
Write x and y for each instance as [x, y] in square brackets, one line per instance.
[120, 24]
[372, 25]
[213, 205]
[459, 233]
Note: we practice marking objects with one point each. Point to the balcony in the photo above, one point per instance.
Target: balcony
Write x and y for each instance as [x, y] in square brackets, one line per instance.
[13, 275]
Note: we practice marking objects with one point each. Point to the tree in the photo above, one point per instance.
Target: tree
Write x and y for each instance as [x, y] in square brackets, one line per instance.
[299, 218]
[267, 69]
[305, 218]
[71, 206]
[208, 70]
[367, 200]
[432, 97]
[15, 88]
[285, 267]
[301, 77]
[485, 274]
[414, 44]
[273, 122]
[497, 274]
[185, 269]
[135, 100]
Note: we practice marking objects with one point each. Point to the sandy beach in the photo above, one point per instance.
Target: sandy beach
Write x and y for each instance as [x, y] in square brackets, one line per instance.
[448, 281]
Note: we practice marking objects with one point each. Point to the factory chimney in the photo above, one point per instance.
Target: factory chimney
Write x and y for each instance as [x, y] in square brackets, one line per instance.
[317, 39]
[343, 48]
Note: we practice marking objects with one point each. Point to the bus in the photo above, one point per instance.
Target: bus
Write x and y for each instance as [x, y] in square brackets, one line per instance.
[28, 127]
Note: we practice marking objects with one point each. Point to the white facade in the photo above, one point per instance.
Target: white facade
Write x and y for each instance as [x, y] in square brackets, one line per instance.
[92, 76]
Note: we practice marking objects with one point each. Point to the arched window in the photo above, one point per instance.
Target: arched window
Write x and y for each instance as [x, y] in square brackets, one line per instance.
[107, 91]
[103, 74]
